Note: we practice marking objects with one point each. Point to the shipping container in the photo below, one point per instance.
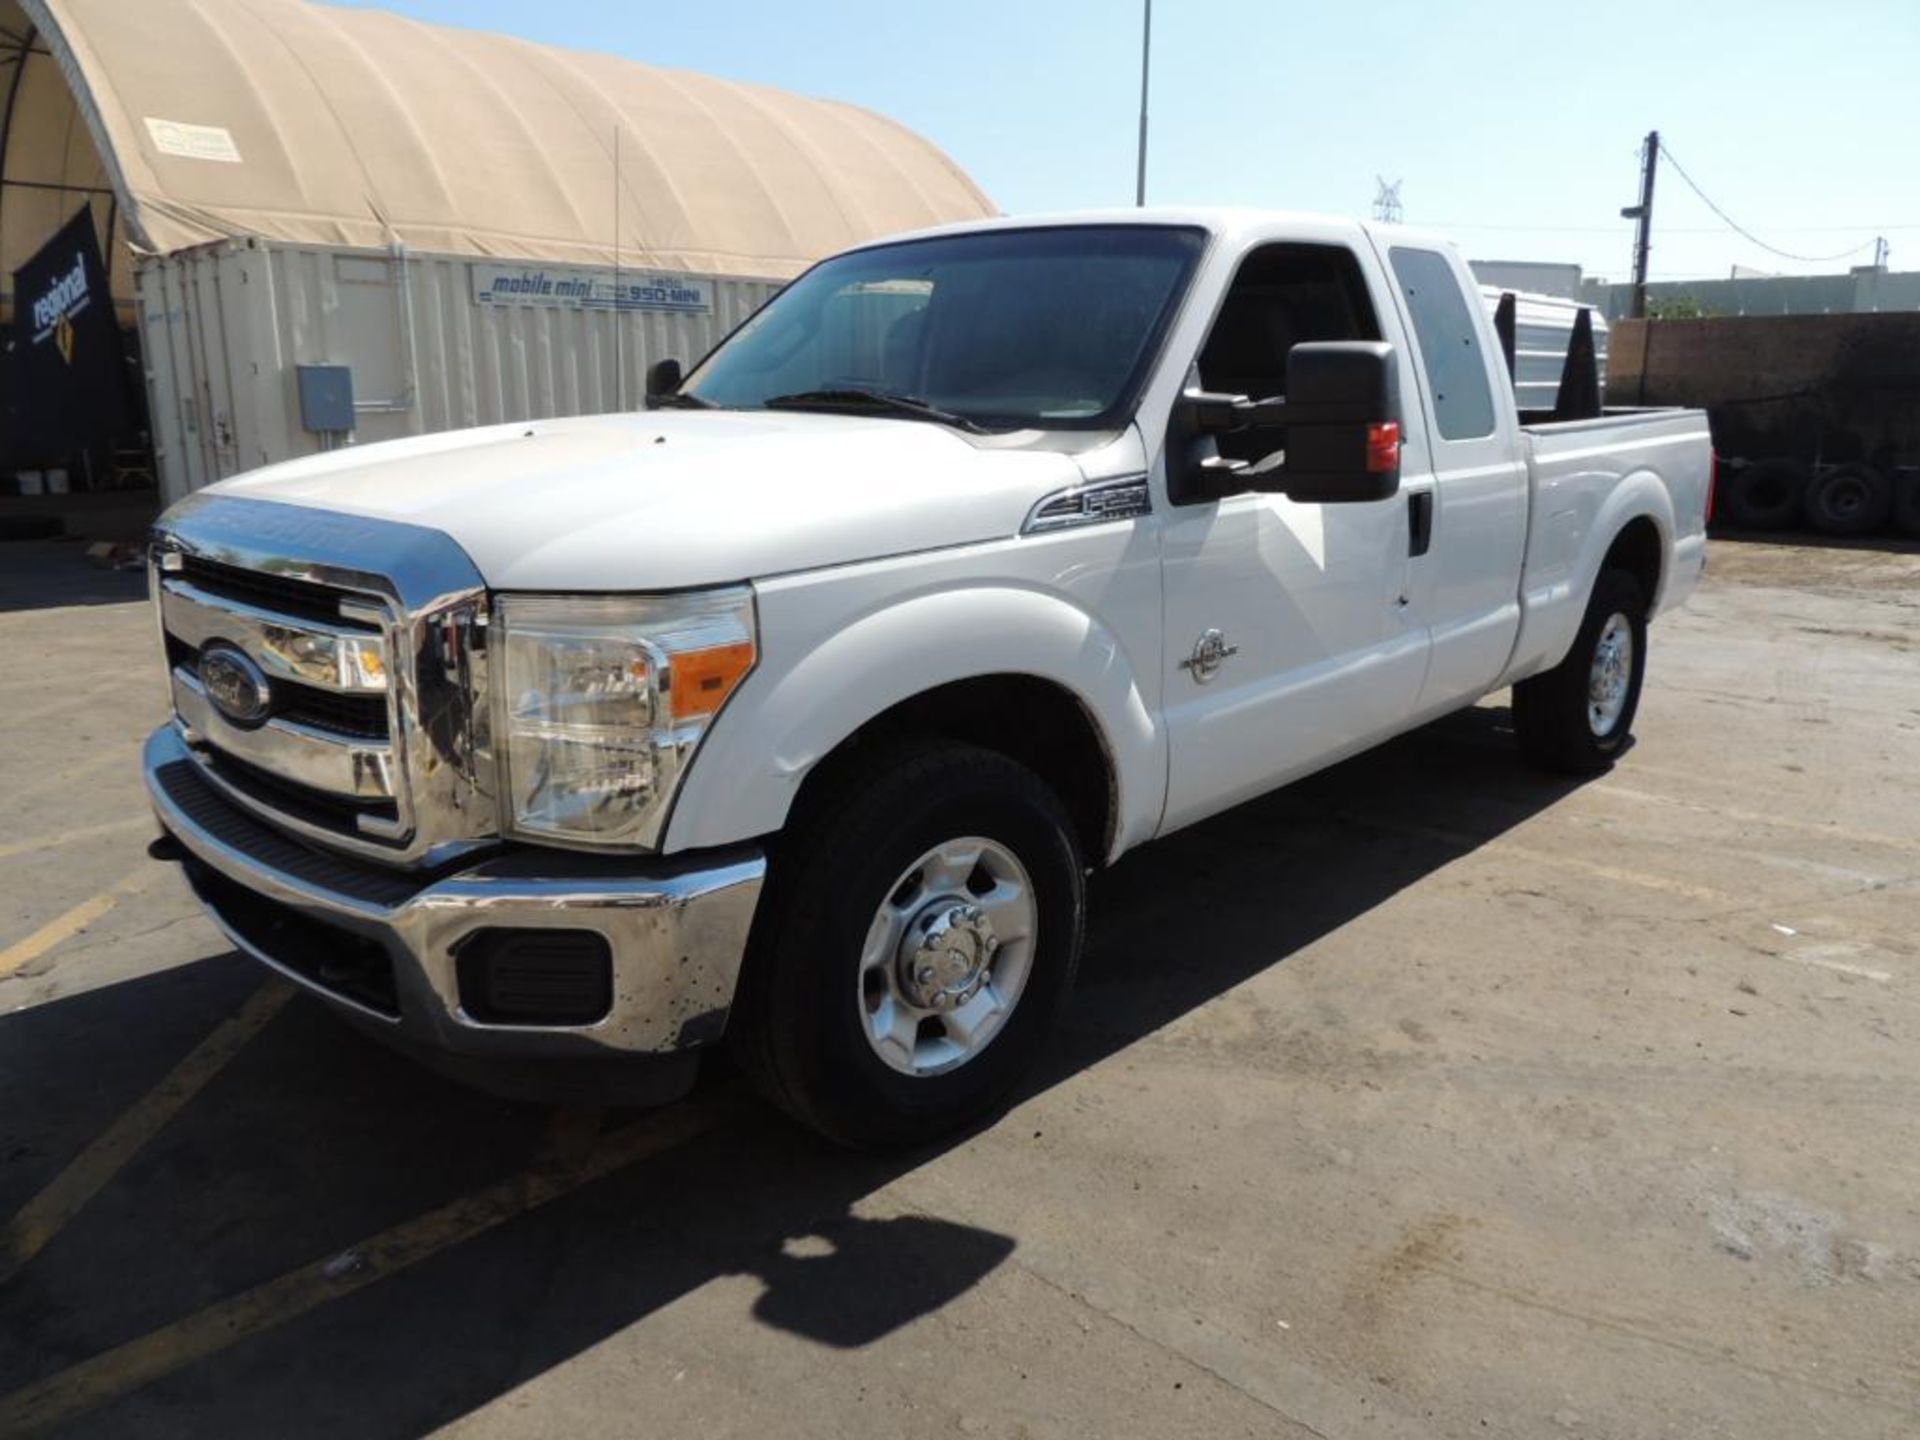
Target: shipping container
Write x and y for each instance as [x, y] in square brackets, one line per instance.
[429, 342]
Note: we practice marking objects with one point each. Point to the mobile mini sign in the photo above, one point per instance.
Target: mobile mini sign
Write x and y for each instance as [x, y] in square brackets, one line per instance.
[550, 288]
[69, 360]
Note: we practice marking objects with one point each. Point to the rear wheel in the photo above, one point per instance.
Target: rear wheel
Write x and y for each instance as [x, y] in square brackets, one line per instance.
[1577, 718]
[922, 925]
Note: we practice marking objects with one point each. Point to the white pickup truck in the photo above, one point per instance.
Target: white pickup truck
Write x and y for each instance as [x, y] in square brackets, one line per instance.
[795, 711]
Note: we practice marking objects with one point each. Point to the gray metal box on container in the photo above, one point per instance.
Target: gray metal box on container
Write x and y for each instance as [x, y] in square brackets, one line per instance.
[326, 398]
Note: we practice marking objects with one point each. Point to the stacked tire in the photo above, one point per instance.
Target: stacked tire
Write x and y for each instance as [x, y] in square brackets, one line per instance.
[1766, 494]
[1906, 501]
[1848, 500]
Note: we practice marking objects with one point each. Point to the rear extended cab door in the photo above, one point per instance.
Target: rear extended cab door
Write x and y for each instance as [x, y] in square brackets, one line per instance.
[1464, 585]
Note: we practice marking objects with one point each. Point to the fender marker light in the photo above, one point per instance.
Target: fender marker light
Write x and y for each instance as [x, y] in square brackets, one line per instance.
[702, 679]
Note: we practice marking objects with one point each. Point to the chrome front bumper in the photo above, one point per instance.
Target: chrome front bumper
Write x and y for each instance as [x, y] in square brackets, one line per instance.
[382, 944]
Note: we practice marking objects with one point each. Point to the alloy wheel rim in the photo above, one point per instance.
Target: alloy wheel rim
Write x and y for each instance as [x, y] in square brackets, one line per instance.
[1610, 676]
[947, 956]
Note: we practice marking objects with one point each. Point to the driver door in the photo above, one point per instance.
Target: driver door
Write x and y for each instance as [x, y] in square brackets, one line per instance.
[1290, 640]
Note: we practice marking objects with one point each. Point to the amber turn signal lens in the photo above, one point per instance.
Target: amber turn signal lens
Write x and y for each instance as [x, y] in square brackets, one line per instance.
[702, 679]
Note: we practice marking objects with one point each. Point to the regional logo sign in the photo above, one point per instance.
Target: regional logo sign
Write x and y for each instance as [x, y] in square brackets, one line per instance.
[71, 377]
[53, 312]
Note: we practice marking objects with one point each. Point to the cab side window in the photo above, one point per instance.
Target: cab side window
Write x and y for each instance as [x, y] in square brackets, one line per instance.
[1282, 296]
[1450, 349]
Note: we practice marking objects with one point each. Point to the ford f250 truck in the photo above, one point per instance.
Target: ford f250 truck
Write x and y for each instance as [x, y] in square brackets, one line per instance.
[795, 711]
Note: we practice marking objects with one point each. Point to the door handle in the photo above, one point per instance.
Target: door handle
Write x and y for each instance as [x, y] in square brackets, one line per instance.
[1419, 521]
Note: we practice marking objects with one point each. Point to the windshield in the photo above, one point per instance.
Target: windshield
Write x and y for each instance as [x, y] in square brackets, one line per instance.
[1002, 329]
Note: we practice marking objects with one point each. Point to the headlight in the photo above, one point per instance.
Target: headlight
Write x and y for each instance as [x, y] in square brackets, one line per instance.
[601, 701]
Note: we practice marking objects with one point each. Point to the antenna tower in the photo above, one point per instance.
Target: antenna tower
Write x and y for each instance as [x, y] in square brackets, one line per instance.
[1386, 201]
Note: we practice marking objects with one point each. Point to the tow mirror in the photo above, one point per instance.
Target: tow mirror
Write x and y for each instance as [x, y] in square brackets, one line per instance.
[663, 378]
[1335, 435]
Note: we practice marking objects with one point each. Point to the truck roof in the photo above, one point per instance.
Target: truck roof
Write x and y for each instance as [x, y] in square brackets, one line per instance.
[1220, 220]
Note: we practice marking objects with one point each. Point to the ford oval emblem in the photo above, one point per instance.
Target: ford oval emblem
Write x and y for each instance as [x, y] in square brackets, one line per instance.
[235, 685]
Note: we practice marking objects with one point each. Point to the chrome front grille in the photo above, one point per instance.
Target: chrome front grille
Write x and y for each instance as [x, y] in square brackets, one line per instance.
[359, 720]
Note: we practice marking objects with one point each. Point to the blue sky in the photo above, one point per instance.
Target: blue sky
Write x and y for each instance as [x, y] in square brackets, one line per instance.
[1514, 126]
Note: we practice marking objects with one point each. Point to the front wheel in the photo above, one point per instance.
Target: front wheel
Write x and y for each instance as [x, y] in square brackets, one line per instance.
[921, 927]
[1577, 718]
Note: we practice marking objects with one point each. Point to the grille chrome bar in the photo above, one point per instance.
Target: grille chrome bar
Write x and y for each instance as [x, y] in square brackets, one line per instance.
[332, 764]
[328, 657]
[326, 605]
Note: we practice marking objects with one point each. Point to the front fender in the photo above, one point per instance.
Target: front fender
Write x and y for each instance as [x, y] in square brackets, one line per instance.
[810, 693]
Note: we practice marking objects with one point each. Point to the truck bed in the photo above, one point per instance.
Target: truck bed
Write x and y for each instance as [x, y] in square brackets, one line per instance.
[1583, 473]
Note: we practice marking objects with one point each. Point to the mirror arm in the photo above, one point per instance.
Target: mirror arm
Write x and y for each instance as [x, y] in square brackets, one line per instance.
[1218, 413]
[1210, 412]
[1216, 478]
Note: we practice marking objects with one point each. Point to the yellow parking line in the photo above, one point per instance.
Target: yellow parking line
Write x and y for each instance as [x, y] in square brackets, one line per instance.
[1757, 817]
[73, 837]
[69, 700]
[64, 927]
[126, 1368]
[44, 1216]
[569, 1137]
[1644, 879]
[114, 754]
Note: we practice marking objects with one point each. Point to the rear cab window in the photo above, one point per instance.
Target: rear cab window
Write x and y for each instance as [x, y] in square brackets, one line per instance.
[1450, 351]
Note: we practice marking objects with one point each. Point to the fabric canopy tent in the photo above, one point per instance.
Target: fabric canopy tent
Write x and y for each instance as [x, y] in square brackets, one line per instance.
[303, 123]
[48, 163]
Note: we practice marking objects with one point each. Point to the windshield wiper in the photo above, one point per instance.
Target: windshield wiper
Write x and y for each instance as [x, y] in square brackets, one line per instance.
[855, 400]
[675, 400]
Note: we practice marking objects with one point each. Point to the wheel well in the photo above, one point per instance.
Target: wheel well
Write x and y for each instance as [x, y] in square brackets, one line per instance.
[1636, 549]
[1036, 722]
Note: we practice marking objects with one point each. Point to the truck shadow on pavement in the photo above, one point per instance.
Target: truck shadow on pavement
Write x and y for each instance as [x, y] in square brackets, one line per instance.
[315, 1154]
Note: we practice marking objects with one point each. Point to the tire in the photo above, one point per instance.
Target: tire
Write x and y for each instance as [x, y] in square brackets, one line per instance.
[1906, 502]
[1849, 500]
[1558, 721]
[859, 875]
[1766, 494]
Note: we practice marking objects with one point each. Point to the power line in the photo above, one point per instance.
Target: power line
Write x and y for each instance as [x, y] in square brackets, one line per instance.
[1664, 229]
[1742, 230]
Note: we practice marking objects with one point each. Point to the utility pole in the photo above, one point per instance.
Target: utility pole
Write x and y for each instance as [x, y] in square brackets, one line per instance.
[619, 362]
[1146, 52]
[1643, 213]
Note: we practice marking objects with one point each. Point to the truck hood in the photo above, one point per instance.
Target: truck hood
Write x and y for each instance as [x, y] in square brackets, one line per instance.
[670, 499]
